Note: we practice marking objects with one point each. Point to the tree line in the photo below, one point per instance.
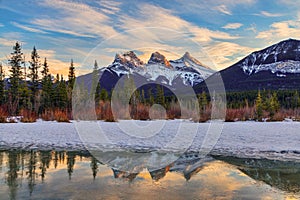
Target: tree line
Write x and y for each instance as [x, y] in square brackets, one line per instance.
[31, 90]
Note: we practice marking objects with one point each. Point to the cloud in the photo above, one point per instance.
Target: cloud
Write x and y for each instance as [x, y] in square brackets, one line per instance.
[232, 26]
[6, 42]
[224, 54]
[210, 7]
[173, 34]
[1, 25]
[281, 30]
[252, 28]
[268, 14]
[223, 9]
[27, 28]
[109, 6]
[76, 19]
[149, 15]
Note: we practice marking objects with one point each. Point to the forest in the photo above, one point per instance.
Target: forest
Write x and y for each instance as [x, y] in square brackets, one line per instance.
[29, 90]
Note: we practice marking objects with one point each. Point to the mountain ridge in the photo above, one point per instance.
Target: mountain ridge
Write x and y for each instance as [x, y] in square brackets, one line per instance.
[276, 67]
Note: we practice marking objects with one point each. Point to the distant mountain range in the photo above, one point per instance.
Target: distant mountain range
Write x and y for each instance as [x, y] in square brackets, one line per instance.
[276, 67]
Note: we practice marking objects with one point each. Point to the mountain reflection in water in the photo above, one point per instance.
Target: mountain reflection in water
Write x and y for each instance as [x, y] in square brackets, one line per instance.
[78, 175]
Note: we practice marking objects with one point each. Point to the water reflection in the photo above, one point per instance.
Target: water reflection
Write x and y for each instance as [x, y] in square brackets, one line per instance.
[78, 175]
[284, 175]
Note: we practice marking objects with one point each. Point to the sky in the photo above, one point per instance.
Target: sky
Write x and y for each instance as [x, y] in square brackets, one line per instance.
[218, 33]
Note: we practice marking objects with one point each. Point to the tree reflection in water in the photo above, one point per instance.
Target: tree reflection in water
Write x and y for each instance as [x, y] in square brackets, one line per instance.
[38, 168]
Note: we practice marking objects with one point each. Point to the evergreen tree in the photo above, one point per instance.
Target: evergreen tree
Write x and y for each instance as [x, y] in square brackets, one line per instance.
[295, 100]
[95, 78]
[259, 106]
[71, 82]
[150, 96]
[15, 62]
[143, 98]
[62, 94]
[45, 71]
[34, 78]
[103, 94]
[97, 94]
[203, 102]
[274, 104]
[55, 93]
[2, 89]
[46, 87]
[160, 97]
[71, 75]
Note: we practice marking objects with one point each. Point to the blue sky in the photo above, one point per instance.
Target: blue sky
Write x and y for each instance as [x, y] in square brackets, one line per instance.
[217, 33]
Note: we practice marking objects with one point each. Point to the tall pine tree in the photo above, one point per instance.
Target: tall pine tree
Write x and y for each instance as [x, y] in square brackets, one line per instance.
[46, 87]
[71, 81]
[95, 79]
[34, 78]
[15, 62]
[2, 89]
[259, 106]
[71, 75]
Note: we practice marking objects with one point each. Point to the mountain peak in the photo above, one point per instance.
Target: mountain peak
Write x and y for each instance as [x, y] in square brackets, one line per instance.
[157, 58]
[188, 57]
[129, 59]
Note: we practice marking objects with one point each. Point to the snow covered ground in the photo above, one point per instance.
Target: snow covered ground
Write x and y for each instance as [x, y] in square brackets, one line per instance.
[274, 140]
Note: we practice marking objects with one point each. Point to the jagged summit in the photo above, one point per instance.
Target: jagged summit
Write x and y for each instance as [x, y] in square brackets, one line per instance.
[187, 57]
[129, 59]
[157, 58]
[184, 71]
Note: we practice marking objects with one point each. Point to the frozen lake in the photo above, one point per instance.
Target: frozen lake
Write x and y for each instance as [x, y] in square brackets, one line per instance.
[99, 160]
[273, 140]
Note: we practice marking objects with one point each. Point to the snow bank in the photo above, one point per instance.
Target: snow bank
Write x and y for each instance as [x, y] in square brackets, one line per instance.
[274, 140]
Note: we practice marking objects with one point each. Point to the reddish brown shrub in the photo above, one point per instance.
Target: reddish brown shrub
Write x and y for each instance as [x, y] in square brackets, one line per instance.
[28, 116]
[61, 116]
[174, 112]
[47, 115]
[3, 115]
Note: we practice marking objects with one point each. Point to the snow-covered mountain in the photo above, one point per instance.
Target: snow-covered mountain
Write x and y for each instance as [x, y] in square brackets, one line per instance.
[158, 68]
[280, 58]
[275, 67]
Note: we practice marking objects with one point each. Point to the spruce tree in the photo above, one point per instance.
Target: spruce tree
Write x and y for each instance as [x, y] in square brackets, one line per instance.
[203, 102]
[160, 97]
[46, 87]
[71, 82]
[150, 96]
[2, 89]
[71, 75]
[15, 62]
[95, 79]
[62, 94]
[259, 106]
[274, 104]
[34, 78]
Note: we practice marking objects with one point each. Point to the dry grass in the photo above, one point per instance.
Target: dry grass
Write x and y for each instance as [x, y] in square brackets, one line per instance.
[3, 115]
[28, 116]
[174, 111]
[61, 116]
[47, 115]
